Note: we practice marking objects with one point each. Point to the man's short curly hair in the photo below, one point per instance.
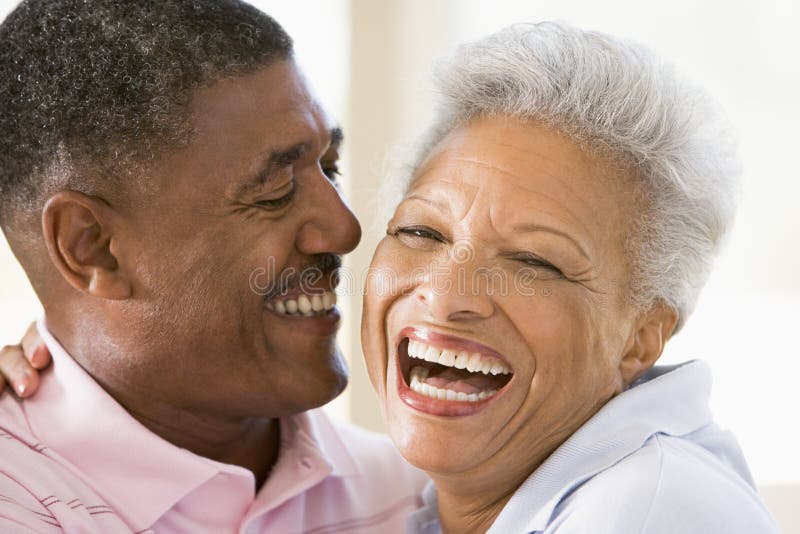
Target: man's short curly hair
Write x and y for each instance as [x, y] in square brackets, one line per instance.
[102, 87]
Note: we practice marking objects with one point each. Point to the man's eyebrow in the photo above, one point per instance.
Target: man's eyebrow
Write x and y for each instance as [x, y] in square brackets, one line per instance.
[276, 159]
[280, 158]
[286, 157]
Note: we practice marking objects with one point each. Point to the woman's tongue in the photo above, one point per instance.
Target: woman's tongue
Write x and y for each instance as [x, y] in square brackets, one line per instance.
[462, 381]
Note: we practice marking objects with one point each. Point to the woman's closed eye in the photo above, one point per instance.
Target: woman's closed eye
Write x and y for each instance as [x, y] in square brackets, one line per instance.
[420, 232]
[532, 260]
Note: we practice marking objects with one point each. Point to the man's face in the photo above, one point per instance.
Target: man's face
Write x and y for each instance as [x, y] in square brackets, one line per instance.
[216, 250]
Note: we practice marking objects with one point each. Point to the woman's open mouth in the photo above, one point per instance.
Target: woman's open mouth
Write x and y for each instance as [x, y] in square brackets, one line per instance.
[445, 375]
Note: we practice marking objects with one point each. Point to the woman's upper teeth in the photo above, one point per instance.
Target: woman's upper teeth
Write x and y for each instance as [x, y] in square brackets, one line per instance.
[304, 305]
[473, 362]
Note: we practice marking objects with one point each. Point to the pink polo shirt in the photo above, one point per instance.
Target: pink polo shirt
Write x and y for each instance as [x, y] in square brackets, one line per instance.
[73, 460]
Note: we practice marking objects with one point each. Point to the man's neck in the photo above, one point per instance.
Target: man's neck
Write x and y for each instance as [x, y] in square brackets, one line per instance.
[249, 442]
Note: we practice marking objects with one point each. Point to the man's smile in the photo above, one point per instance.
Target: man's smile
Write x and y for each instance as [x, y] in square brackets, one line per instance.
[318, 304]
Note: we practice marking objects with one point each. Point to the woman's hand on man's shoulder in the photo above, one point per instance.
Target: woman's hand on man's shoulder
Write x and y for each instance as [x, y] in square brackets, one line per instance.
[20, 364]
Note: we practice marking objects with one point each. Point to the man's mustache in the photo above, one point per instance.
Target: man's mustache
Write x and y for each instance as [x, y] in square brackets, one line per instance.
[322, 267]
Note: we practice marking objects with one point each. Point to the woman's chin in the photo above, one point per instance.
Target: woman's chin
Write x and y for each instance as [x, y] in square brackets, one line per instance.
[439, 447]
[441, 436]
[433, 455]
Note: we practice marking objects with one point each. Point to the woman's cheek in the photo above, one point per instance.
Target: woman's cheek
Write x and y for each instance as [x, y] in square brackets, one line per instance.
[549, 317]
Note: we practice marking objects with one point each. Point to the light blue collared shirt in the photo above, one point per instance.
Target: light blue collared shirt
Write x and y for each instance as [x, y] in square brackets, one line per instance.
[651, 461]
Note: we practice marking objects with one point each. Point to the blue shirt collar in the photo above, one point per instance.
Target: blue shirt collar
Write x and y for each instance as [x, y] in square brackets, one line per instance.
[668, 399]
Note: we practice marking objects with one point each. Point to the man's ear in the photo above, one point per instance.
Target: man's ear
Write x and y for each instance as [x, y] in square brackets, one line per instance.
[654, 327]
[79, 232]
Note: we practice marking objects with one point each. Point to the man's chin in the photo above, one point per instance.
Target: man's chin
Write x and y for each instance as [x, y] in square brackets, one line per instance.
[321, 377]
[304, 358]
[336, 380]
[334, 391]
[320, 390]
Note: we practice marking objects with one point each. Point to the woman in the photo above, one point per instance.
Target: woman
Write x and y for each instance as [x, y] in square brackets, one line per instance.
[555, 232]
[581, 163]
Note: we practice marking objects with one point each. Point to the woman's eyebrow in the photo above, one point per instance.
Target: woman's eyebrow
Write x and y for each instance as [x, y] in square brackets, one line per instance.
[532, 227]
[440, 206]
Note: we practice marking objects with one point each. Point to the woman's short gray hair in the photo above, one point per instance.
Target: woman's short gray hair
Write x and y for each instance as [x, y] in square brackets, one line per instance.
[620, 99]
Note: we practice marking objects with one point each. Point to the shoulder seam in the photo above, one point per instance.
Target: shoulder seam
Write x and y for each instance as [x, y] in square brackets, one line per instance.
[657, 489]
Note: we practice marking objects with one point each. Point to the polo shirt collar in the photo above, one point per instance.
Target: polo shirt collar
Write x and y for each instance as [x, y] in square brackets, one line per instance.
[319, 437]
[114, 453]
[617, 430]
[311, 450]
[671, 400]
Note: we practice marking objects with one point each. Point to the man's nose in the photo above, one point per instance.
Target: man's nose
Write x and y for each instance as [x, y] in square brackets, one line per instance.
[331, 227]
[455, 292]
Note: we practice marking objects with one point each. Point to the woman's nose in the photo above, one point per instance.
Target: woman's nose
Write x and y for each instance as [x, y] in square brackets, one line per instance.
[331, 226]
[456, 294]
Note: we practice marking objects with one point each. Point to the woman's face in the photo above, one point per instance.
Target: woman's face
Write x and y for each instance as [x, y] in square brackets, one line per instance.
[495, 315]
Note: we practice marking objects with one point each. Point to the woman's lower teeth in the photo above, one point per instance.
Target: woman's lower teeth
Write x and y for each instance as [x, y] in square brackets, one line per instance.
[433, 392]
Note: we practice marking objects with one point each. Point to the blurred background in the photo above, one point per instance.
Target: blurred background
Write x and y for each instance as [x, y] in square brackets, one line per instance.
[369, 61]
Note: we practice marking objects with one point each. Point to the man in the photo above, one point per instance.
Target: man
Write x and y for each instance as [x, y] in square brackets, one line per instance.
[168, 183]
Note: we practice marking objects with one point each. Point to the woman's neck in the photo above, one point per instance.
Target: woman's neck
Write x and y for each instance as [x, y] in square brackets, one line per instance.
[457, 515]
[470, 502]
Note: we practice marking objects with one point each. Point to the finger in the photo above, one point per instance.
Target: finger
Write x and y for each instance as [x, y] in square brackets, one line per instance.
[29, 384]
[34, 348]
[41, 357]
[18, 372]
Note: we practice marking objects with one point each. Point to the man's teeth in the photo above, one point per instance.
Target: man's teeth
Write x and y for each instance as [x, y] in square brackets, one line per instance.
[305, 305]
[473, 362]
[418, 375]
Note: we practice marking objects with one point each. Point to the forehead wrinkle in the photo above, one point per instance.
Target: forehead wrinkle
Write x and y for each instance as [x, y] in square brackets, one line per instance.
[571, 166]
[471, 204]
[508, 172]
[528, 190]
[433, 184]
